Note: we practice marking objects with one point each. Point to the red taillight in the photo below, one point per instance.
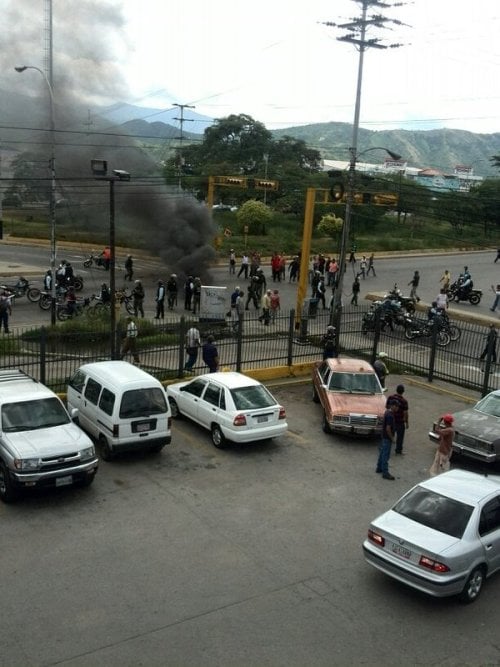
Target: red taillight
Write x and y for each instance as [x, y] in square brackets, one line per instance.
[116, 430]
[240, 420]
[433, 564]
[282, 414]
[376, 538]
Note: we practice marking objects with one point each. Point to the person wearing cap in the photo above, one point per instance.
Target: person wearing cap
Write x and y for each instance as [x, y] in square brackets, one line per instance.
[445, 431]
[387, 440]
[380, 368]
[329, 343]
[400, 417]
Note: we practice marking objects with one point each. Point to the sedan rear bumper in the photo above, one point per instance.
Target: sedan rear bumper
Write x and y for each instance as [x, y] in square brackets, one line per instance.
[253, 434]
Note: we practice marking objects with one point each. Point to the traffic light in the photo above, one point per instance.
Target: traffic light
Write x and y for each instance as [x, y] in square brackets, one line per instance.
[264, 184]
[234, 181]
[337, 190]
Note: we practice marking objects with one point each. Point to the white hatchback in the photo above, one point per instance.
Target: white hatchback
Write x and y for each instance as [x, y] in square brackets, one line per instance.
[232, 406]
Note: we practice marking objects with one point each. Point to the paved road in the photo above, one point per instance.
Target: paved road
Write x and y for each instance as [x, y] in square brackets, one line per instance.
[245, 557]
[32, 261]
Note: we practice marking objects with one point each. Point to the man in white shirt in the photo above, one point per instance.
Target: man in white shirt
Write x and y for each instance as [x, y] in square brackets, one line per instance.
[193, 342]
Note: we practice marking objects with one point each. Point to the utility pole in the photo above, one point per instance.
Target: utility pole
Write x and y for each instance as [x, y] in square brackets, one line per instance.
[180, 138]
[357, 35]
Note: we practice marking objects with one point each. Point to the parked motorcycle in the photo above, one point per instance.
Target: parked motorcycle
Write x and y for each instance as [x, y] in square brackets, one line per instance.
[45, 300]
[23, 288]
[98, 260]
[458, 293]
[406, 302]
[420, 329]
[65, 312]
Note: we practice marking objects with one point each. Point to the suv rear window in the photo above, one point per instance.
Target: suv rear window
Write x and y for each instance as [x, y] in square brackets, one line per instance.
[435, 511]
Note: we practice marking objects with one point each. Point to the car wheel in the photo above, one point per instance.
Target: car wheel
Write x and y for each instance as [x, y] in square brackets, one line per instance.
[174, 408]
[325, 425]
[107, 453]
[218, 437]
[315, 396]
[8, 492]
[474, 585]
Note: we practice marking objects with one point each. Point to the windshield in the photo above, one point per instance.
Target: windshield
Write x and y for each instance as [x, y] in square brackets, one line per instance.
[354, 383]
[490, 405]
[435, 511]
[143, 402]
[253, 397]
[30, 415]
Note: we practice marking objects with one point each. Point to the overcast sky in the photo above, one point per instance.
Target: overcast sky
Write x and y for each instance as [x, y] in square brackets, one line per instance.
[272, 60]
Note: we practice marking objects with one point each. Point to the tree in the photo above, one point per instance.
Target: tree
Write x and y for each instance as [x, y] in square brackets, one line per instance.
[255, 215]
[330, 225]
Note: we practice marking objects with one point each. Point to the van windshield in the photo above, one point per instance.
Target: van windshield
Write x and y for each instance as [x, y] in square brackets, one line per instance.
[143, 403]
[31, 415]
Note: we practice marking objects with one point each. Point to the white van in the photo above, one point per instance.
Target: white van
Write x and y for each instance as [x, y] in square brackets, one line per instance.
[121, 406]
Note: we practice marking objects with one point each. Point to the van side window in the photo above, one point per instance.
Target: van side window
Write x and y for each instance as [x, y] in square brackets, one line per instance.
[107, 401]
[78, 381]
[92, 391]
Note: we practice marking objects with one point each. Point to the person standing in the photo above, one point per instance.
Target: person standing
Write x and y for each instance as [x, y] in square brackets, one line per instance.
[138, 298]
[387, 440]
[371, 268]
[232, 261]
[496, 292]
[380, 368]
[47, 281]
[188, 292]
[442, 299]
[210, 355]
[320, 291]
[5, 310]
[355, 291]
[492, 334]
[193, 343]
[329, 343]
[196, 295]
[130, 341]
[172, 291]
[275, 305]
[160, 300]
[244, 266]
[497, 257]
[129, 268]
[445, 431]
[414, 282]
[238, 310]
[446, 280]
[265, 303]
[106, 257]
[363, 265]
[400, 416]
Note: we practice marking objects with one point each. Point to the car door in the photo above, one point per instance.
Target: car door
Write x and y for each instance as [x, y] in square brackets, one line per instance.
[190, 396]
[489, 531]
[209, 405]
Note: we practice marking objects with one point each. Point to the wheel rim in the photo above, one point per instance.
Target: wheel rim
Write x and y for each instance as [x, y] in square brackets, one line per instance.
[216, 436]
[475, 584]
[3, 483]
[174, 408]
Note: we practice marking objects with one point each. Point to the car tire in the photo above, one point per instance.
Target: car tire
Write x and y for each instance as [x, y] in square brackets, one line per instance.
[174, 408]
[325, 425]
[474, 585]
[218, 437]
[315, 396]
[107, 453]
[8, 492]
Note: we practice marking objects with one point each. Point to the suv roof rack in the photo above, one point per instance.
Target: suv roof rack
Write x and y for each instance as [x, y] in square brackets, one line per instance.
[14, 374]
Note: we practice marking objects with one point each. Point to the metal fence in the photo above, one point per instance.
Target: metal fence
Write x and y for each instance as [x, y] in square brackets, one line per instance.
[53, 356]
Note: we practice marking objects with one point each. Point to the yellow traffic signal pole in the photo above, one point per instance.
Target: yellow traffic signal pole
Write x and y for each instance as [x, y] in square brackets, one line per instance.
[305, 253]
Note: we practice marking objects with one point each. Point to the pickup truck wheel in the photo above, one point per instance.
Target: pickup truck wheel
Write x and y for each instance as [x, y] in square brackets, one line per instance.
[8, 492]
[218, 437]
[106, 451]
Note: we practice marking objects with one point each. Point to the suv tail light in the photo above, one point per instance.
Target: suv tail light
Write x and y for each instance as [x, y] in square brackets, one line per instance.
[282, 414]
[240, 420]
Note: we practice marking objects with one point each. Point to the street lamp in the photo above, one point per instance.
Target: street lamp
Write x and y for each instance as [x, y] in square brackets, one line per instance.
[52, 202]
[344, 242]
[100, 170]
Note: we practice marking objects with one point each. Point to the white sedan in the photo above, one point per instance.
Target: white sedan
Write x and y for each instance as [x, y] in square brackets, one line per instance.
[232, 406]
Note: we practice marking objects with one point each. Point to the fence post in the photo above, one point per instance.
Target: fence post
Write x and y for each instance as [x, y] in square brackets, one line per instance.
[291, 331]
[182, 354]
[376, 337]
[432, 357]
[43, 354]
[239, 341]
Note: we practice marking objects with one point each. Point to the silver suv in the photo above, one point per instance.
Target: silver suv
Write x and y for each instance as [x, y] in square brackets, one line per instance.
[39, 443]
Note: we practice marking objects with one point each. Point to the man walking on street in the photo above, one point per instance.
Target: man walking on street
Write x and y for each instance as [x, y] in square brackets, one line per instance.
[400, 416]
[414, 282]
[387, 440]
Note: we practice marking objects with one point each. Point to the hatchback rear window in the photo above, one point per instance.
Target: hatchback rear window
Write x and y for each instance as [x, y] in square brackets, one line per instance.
[435, 511]
[253, 397]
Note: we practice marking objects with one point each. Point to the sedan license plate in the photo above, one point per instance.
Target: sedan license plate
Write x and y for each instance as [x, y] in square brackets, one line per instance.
[262, 418]
[401, 551]
[64, 481]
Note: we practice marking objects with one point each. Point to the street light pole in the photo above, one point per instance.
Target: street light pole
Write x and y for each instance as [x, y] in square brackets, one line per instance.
[52, 202]
[100, 171]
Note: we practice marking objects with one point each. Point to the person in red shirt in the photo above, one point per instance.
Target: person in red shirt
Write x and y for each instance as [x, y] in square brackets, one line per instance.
[445, 431]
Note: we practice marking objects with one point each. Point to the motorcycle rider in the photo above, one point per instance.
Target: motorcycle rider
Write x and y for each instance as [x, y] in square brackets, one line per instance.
[464, 284]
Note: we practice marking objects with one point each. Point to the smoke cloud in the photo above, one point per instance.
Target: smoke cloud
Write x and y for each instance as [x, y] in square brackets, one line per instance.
[88, 46]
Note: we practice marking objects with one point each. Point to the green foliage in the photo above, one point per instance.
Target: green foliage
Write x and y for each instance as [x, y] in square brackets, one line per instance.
[254, 215]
